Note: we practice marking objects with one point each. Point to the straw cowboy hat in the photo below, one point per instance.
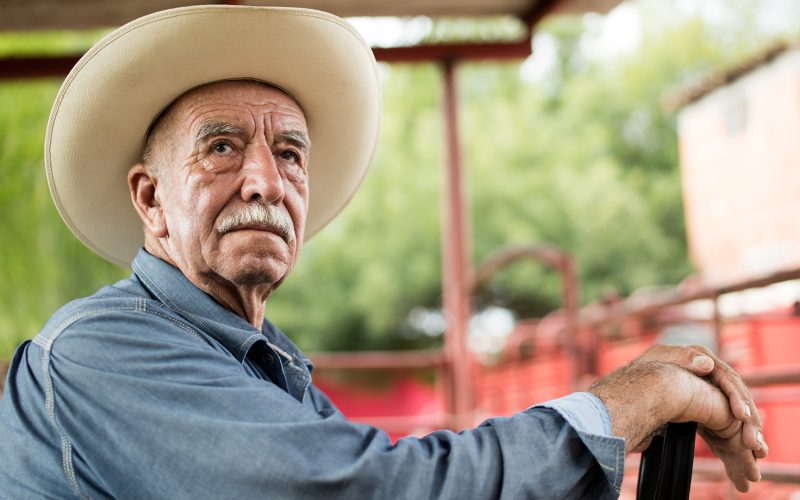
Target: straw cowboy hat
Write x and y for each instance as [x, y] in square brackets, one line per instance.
[100, 117]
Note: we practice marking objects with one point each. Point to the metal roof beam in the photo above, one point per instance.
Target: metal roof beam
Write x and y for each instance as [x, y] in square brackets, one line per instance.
[58, 66]
[36, 67]
[454, 52]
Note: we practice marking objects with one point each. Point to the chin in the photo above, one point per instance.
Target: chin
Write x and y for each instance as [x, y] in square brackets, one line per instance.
[260, 273]
[255, 279]
[255, 263]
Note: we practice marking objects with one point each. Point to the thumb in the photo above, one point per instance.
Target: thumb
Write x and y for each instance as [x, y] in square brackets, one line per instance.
[690, 358]
[700, 364]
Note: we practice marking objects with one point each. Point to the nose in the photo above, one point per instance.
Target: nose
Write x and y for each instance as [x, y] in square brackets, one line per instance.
[261, 175]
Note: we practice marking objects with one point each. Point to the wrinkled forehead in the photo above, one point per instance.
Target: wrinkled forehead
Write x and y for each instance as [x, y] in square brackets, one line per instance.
[232, 92]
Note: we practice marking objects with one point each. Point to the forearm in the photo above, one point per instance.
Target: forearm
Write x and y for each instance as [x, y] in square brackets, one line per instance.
[559, 449]
[247, 438]
[635, 403]
[563, 450]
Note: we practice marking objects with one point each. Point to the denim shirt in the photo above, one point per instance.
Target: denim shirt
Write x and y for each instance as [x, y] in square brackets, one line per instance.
[151, 389]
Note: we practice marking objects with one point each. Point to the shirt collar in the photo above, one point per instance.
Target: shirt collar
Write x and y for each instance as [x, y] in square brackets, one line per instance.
[171, 287]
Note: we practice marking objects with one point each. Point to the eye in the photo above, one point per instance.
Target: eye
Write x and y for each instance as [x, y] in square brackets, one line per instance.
[290, 155]
[221, 148]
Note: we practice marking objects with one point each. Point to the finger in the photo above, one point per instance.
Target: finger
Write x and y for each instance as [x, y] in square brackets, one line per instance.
[751, 437]
[741, 401]
[699, 360]
[753, 471]
[761, 450]
[741, 466]
[689, 358]
[740, 398]
[736, 392]
[728, 432]
[742, 484]
[723, 433]
[729, 446]
[712, 407]
[742, 470]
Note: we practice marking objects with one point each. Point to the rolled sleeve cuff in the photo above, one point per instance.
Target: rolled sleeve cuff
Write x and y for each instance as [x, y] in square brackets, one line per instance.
[589, 417]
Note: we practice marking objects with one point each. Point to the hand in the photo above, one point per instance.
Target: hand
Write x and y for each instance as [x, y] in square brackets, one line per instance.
[702, 362]
[645, 395]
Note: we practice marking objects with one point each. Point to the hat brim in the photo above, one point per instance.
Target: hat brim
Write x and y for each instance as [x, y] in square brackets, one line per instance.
[100, 117]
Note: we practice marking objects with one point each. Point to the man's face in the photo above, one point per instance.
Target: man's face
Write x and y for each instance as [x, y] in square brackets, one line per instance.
[232, 181]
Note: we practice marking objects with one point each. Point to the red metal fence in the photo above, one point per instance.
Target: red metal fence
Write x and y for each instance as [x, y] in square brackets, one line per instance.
[542, 360]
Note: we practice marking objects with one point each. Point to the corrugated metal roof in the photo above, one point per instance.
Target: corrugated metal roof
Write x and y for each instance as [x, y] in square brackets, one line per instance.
[83, 14]
[710, 82]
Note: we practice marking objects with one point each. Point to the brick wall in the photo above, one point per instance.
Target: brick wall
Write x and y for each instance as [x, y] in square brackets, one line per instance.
[740, 164]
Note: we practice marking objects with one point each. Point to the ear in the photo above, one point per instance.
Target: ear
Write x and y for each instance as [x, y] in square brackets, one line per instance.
[143, 185]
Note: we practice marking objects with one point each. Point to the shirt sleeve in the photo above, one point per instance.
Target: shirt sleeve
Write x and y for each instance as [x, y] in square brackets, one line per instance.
[172, 417]
[589, 418]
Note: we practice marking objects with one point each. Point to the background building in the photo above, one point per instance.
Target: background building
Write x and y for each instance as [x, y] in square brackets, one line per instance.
[739, 136]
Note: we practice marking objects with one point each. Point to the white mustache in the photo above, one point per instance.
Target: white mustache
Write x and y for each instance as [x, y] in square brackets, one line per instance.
[259, 214]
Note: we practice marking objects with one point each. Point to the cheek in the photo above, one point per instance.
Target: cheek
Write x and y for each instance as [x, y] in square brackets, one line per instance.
[208, 194]
[184, 222]
[195, 207]
[296, 202]
[297, 193]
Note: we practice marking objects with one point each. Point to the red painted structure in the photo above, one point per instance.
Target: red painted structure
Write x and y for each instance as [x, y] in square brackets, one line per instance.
[539, 365]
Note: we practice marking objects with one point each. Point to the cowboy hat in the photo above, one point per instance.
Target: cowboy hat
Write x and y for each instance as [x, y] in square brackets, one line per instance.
[100, 117]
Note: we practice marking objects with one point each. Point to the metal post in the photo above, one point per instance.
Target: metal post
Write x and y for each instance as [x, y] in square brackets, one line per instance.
[717, 324]
[565, 264]
[456, 267]
[571, 303]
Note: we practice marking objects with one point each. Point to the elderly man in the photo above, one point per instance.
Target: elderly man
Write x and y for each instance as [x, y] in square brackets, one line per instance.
[171, 384]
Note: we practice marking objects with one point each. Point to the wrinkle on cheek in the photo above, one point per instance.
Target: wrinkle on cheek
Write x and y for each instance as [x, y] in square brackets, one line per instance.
[198, 171]
[301, 185]
[298, 177]
[206, 164]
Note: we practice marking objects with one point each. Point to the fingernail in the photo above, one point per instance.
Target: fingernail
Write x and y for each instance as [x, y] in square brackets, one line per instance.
[747, 410]
[702, 362]
[760, 438]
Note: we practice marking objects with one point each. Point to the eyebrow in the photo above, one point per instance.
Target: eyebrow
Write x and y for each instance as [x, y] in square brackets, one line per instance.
[298, 138]
[212, 128]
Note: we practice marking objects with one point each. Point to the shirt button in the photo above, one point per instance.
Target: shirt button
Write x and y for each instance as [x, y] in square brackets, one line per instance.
[269, 360]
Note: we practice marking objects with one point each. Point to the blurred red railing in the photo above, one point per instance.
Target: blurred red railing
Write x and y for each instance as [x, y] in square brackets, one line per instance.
[553, 356]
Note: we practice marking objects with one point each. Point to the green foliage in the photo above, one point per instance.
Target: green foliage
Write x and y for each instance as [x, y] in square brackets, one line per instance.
[49, 43]
[41, 264]
[466, 30]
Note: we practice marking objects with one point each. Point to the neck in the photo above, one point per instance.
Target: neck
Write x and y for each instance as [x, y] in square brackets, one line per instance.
[244, 300]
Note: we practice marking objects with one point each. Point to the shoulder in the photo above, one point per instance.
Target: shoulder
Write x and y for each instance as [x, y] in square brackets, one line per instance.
[116, 318]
